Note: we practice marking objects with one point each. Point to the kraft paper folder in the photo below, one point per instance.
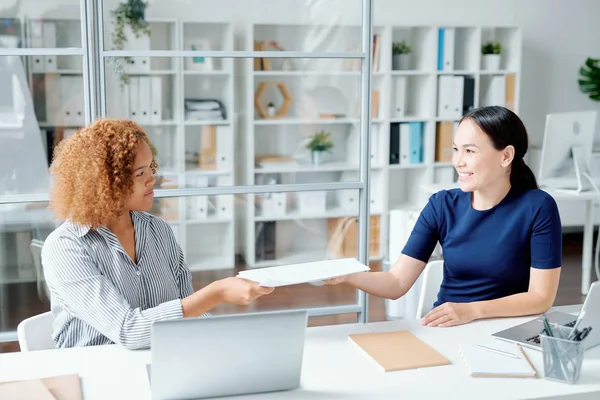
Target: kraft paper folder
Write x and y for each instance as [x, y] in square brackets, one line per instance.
[398, 350]
[63, 387]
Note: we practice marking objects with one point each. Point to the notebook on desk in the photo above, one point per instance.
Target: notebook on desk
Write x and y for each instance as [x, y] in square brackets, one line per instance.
[486, 364]
[398, 350]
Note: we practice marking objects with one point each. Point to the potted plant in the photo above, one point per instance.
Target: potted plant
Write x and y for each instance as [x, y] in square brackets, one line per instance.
[270, 109]
[491, 52]
[589, 78]
[128, 13]
[318, 144]
[401, 55]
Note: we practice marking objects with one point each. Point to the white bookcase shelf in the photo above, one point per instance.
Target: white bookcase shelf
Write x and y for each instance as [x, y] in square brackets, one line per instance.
[415, 112]
[422, 104]
[185, 129]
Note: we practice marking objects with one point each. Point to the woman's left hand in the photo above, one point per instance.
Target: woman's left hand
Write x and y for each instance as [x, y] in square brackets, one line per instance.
[449, 314]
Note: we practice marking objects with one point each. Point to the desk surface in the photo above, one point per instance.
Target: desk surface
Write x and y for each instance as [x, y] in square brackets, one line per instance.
[333, 368]
[431, 188]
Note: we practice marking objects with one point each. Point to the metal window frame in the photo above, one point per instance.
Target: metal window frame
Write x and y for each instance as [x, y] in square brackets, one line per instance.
[93, 53]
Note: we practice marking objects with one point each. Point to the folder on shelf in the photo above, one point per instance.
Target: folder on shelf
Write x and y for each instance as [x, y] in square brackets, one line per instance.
[49, 40]
[443, 143]
[485, 363]
[145, 99]
[293, 274]
[64, 387]
[398, 350]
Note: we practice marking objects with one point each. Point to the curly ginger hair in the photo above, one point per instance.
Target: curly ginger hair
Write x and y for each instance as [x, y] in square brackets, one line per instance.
[92, 171]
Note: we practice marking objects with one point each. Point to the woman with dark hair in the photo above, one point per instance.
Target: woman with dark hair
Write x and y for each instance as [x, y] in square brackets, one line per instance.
[501, 236]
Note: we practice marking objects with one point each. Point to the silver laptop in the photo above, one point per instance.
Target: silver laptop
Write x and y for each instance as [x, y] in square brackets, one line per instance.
[527, 334]
[194, 358]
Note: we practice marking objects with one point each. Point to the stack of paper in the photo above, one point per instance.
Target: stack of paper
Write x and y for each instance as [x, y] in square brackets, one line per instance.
[486, 363]
[304, 272]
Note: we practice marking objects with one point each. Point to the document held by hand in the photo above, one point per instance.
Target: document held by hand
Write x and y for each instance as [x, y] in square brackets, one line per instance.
[294, 274]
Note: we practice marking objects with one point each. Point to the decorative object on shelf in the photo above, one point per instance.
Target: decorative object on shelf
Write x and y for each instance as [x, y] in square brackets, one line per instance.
[199, 63]
[343, 237]
[132, 13]
[271, 109]
[285, 106]
[204, 110]
[278, 62]
[401, 53]
[491, 51]
[287, 65]
[318, 144]
[589, 78]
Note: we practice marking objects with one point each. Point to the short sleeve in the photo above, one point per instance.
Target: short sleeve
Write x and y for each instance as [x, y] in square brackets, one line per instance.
[425, 234]
[546, 236]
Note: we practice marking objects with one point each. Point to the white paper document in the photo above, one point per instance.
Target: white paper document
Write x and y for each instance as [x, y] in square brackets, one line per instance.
[294, 274]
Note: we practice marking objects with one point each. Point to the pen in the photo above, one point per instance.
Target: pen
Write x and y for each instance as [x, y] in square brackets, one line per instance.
[504, 353]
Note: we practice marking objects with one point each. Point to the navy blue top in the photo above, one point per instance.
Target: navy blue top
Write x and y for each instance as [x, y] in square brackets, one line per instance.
[488, 254]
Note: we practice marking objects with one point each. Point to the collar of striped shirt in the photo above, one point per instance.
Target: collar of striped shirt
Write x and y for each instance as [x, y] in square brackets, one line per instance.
[82, 229]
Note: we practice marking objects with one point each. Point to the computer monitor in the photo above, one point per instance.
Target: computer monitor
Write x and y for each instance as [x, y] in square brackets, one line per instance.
[567, 151]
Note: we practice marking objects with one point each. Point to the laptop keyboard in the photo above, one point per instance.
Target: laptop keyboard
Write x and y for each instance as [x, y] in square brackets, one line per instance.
[536, 339]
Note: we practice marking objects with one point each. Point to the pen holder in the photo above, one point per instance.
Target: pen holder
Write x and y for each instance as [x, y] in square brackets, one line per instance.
[562, 357]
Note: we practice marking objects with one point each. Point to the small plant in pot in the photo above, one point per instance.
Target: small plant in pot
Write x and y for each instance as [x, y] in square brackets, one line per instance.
[271, 109]
[491, 52]
[318, 144]
[401, 52]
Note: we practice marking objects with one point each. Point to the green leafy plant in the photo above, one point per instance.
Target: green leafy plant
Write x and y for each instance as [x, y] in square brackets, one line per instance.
[132, 13]
[401, 47]
[320, 141]
[491, 47]
[589, 78]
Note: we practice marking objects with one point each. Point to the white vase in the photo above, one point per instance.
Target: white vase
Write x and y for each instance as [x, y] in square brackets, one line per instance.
[401, 62]
[491, 62]
[317, 157]
[271, 111]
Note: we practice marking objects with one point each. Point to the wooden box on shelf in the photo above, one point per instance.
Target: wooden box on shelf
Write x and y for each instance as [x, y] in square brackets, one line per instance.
[207, 153]
[342, 234]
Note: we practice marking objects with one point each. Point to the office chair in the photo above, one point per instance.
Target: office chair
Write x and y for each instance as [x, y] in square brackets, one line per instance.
[432, 280]
[35, 333]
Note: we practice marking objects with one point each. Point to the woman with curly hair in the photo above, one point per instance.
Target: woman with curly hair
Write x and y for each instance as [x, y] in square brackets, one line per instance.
[112, 268]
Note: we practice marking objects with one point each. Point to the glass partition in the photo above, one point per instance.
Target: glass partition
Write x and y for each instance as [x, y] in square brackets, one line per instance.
[37, 111]
[41, 24]
[302, 26]
[234, 120]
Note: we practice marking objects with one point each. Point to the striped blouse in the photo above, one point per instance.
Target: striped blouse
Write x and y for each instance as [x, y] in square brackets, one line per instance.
[100, 296]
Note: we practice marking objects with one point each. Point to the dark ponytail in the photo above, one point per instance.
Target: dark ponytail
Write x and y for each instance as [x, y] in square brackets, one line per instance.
[505, 128]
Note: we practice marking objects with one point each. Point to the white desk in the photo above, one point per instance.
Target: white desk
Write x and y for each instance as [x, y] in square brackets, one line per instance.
[333, 368]
[587, 198]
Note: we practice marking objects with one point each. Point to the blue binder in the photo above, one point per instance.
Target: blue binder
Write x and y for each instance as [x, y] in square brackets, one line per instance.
[416, 142]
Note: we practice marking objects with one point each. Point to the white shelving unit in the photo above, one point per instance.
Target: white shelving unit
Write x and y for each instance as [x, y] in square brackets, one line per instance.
[325, 96]
[155, 96]
[318, 86]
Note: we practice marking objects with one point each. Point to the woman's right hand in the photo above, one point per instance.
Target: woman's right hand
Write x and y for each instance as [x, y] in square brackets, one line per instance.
[242, 291]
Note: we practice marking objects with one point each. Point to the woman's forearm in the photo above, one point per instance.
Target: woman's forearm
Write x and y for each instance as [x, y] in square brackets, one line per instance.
[527, 303]
[380, 284]
[202, 300]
